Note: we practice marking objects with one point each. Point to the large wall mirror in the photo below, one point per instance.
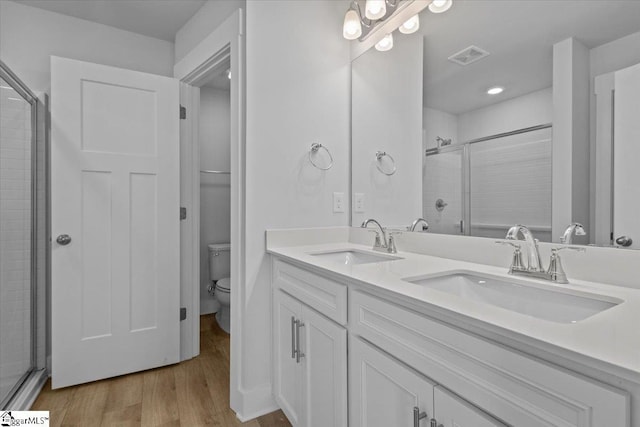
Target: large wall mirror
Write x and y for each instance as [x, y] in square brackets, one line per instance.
[498, 113]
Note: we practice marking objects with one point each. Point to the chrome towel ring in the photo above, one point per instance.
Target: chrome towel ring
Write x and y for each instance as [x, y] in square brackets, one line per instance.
[315, 147]
[379, 156]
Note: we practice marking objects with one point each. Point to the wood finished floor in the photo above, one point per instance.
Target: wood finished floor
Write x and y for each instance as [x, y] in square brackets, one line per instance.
[191, 393]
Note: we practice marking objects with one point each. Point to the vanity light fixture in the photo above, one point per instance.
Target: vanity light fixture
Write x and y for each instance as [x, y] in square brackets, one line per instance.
[495, 90]
[352, 28]
[375, 9]
[385, 44]
[439, 6]
[411, 25]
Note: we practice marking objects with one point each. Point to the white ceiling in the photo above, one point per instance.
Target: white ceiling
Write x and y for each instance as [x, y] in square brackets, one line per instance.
[154, 18]
[519, 35]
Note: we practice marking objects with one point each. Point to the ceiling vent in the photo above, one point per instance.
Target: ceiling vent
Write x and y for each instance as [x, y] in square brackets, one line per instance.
[468, 55]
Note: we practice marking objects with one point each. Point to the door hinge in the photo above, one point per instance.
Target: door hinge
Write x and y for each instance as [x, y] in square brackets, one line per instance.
[183, 313]
[183, 112]
[183, 213]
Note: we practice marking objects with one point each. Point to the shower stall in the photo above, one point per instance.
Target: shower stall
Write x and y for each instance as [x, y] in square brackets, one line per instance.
[484, 186]
[23, 253]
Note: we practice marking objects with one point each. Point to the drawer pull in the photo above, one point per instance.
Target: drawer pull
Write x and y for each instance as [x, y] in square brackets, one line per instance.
[293, 337]
[299, 353]
[417, 416]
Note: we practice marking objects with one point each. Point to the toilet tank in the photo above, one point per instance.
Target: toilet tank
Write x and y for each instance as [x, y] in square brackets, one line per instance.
[219, 261]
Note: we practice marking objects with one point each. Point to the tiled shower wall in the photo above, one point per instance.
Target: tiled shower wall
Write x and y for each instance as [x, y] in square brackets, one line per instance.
[15, 237]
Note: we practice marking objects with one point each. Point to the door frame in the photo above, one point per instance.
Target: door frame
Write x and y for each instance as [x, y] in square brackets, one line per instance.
[226, 41]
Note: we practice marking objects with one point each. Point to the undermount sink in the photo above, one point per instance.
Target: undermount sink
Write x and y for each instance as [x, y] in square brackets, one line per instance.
[353, 257]
[556, 305]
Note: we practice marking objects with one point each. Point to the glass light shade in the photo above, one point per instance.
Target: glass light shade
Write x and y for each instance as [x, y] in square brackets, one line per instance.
[352, 28]
[439, 6]
[411, 26]
[375, 9]
[385, 44]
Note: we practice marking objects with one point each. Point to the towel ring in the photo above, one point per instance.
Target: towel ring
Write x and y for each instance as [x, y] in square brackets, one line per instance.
[315, 147]
[379, 156]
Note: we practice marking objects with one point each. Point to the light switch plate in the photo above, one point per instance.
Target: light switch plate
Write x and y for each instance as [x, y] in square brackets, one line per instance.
[359, 203]
[338, 202]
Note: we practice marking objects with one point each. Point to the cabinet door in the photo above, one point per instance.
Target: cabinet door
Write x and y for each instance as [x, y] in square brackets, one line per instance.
[324, 345]
[452, 411]
[382, 391]
[287, 373]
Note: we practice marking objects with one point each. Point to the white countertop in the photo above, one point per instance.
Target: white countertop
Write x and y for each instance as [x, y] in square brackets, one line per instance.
[608, 341]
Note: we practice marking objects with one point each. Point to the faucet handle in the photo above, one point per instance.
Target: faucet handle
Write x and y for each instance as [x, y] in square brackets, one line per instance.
[516, 259]
[377, 243]
[555, 271]
[503, 242]
[391, 246]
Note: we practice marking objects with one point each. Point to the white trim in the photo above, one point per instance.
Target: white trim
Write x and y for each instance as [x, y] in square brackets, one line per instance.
[228, 41]
[190, 227]
[604, 86]
[258, 401]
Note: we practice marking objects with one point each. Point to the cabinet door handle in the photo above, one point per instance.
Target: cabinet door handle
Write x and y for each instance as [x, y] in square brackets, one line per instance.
[299, 353]
[294, 322]
[417, 416]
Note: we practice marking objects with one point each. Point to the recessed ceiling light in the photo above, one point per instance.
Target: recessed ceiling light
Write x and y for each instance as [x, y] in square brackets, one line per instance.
[495, 90]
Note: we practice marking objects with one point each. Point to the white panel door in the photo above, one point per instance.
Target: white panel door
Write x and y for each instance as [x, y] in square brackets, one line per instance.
[626, 152]
[383, 392]
[324, 346]
[115, 192]
[451, 411]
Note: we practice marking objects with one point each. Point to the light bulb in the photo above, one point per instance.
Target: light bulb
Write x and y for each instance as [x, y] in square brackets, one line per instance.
[495, 90]
[352, 28]
[229, 73]
[385, 44]
[439, 6]
[411, 26]
[375, 9]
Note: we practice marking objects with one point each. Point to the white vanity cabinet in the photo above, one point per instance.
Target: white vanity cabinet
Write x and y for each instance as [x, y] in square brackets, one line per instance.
[451, 411]
[310, 358]
[403, 357]
[519, 389]
[384, 392]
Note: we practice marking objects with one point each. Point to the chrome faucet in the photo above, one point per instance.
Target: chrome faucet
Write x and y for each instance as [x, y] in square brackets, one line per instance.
[531, 244]
[575, 229]
[385, 244]
[555, 273]
[415, 223]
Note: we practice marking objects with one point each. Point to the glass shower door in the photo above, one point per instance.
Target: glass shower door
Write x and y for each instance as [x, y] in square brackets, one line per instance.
[444, 190]
[16, 228]
[510, 183]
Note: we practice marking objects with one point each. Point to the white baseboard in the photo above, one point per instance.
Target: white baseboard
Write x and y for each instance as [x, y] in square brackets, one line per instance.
[256, 402]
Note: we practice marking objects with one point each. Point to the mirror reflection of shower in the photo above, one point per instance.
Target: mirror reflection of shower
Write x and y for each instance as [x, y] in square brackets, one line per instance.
[441, 142]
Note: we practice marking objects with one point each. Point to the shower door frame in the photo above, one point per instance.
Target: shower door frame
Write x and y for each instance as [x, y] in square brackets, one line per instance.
[16, 84]
[466, 166]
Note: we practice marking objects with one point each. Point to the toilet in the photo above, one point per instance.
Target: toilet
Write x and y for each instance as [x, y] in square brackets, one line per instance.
[219, 272]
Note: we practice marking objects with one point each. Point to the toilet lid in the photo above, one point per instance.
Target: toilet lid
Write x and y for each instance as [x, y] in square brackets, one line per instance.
[224, 283]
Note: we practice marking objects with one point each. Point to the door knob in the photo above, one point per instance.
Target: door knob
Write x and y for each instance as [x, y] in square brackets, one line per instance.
[63, 239]
[624, 241]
